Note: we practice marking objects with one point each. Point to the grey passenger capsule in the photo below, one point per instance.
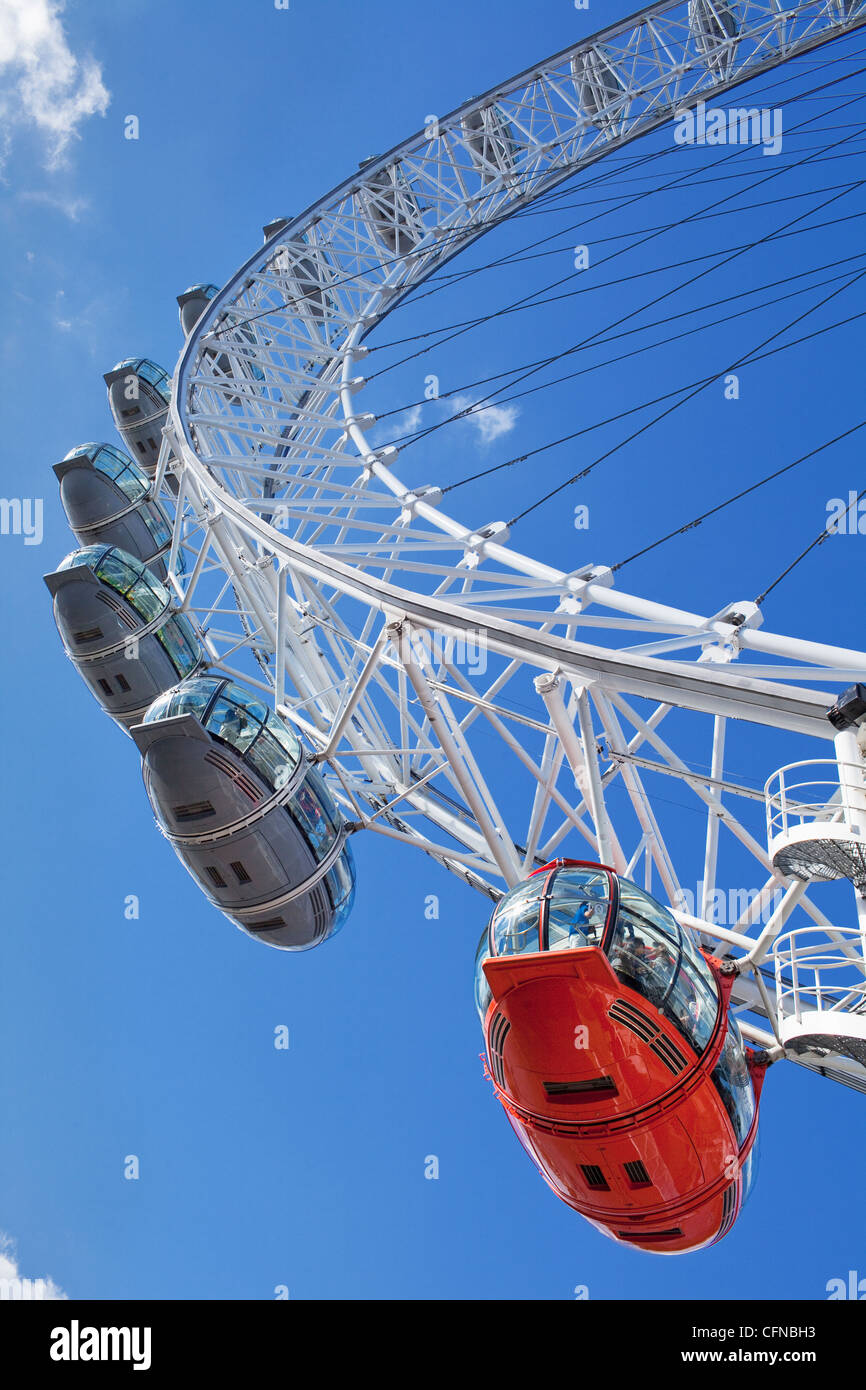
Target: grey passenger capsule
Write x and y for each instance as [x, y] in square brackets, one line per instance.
[108, 500]
[139, 394]
[246, 812]
[714, 25]
[490, 141]
[393, 210]
[121, 630]
[275, 225]
[599, 87]
[191, 305]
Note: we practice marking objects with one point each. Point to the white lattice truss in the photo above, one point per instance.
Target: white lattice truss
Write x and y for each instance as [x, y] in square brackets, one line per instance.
[366, 607]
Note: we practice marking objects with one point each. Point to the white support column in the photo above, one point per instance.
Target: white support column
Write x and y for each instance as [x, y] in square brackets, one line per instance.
[370, 666]
[717, 770]
[761, 948]
[497, 841]
[640, 801]
[583, 761]
[197, 569]
[853, 794]
[282, 623]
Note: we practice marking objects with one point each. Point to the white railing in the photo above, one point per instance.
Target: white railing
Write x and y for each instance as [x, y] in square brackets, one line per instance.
[820, 970]
[805, 792]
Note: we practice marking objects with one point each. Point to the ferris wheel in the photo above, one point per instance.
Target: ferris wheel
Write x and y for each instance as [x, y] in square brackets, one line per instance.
[299, 565]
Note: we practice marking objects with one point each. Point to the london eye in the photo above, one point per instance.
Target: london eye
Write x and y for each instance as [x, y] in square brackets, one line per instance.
[266, 597]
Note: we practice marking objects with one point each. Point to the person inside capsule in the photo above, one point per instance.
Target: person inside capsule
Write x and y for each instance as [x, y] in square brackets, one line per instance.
[569, 905]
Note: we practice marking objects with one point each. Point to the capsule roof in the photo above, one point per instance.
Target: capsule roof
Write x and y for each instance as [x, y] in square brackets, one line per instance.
[130, 578]
[275, 225]
[147, 369]
[225, 709]
[115, 464]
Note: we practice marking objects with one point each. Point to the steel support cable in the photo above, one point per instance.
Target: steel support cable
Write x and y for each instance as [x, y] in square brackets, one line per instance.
[792, 73]
[444, 280]
[659, 342]
[471, 231]
[741, 361]
[517, 258]
[655, 270]
[673, 337]
[642, 328]
[819, 540]
[736, 497]
[415, 436]
[645, 405]
[652, 234]
[812, 93]
[457, 234]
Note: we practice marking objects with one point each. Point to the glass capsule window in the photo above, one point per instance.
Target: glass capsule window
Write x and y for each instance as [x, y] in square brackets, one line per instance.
[644, 952]
[134, 484]
[139, 586]
[130, 578]
[156, 376]
[483, 992]
[157, 525]
[750, 1170]
[316, 814]
[193, 697]
[652, 955]
[121, 470]
[577, 909]
[88, 450]
[149, 372]
[180, 644]
[515, 925]
[340, 881]
[239, 718]
[570, 907]
[734, 1084]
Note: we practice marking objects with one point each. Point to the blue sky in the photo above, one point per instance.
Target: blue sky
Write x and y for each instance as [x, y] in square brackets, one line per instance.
[305, 1167]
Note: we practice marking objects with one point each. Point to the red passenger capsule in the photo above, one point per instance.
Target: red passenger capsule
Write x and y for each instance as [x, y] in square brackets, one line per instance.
[611, 1048]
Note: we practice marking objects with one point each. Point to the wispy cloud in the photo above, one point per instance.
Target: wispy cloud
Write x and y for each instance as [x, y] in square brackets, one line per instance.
[70, 207]
[491, 421]
[407, 422]
[42, 82]
[15, 1285]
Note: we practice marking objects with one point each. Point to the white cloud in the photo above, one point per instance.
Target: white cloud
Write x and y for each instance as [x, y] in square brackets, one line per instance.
[15, 1285]
[407, 422]
[42, 83]
[491, 421]
[70, 207]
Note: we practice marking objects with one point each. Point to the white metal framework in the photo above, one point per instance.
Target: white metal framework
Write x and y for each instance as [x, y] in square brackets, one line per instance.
[364, 604]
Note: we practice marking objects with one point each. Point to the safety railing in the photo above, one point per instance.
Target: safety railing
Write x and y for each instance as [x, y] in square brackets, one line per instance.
[820, 970]
[806, 792]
